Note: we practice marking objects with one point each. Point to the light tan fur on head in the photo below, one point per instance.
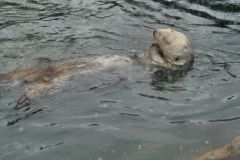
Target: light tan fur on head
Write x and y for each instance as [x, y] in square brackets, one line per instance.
[170, 49]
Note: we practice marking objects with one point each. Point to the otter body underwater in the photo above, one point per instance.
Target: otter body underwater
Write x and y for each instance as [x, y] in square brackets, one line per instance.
[171, 51]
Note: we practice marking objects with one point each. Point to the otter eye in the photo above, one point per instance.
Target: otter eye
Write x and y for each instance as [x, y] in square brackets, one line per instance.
[25, 81]
[177, 59]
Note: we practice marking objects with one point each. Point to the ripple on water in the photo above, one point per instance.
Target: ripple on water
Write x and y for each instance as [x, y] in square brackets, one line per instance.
[129, 119]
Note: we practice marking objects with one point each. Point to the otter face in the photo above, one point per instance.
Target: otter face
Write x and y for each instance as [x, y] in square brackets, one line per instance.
[171, 49]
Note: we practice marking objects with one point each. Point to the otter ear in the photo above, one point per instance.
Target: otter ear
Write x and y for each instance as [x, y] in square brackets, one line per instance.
[154, 32]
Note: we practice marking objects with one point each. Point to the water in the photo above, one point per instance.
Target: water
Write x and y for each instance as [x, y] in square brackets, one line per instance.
[127, 119]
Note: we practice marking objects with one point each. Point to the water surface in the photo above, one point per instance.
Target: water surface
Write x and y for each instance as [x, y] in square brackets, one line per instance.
[127, 119]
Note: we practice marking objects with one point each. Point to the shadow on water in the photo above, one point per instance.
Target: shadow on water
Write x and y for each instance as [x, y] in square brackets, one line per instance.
[173, 116]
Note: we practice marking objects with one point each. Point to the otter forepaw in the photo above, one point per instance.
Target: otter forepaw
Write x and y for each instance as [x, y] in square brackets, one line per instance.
[23, 101]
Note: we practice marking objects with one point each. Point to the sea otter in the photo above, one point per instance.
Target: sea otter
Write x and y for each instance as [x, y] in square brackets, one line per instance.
[171, 52]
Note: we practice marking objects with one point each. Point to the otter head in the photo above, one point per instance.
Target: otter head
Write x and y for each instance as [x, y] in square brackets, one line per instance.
[171, 49]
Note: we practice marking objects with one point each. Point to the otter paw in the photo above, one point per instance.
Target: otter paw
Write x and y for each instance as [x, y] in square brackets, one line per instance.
[23, 101]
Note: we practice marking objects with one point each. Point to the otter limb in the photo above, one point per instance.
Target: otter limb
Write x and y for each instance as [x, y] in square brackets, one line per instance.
[40, 74]
[32, 91]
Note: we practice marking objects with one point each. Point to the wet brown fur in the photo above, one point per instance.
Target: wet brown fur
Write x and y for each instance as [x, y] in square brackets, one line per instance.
[39, 74]
[44, 69]
[227, 151]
